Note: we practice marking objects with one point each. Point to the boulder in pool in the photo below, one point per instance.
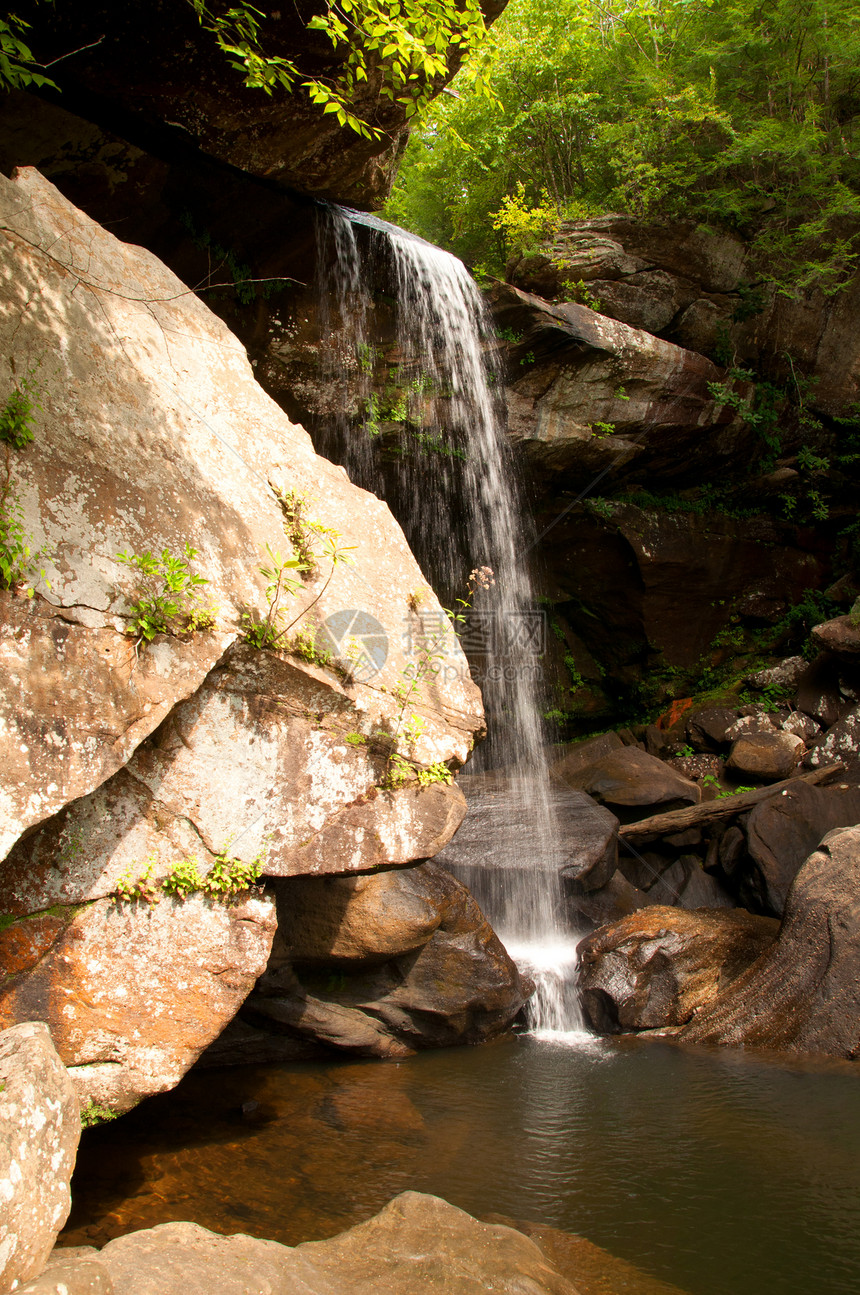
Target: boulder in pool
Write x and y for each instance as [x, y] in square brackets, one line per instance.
[802, 994]
[660, 966]
[385, 965]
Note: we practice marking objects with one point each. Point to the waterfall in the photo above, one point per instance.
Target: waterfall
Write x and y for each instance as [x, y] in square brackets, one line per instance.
[437, 432]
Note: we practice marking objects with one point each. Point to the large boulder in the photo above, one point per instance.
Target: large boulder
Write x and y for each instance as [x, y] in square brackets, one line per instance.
[634, 783]
[384, 965]
[417, 1244]
[139, 441]
[803, 994]
[500, 827]
[40, 1128]
[660, 966]
[765, 756]
[840, 636]
[593, 373]
[134, 762]
[783, 831]
[134, 992]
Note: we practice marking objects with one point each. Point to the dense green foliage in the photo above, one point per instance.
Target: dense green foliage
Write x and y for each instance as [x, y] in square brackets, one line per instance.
[738, 113]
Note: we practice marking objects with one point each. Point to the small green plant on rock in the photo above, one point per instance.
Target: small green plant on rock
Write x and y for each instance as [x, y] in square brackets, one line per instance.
[167, 599]
[19, 562]
[581, 294]
[92, 1113]
[227, 877]
[130, 889]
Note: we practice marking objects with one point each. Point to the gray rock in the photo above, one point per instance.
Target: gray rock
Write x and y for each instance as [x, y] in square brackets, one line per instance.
[840, 744]
[686, 885]
[500, 825]
[766, 757]
[802, 726]
[747, 724]
[785, 674]
[40, 1128]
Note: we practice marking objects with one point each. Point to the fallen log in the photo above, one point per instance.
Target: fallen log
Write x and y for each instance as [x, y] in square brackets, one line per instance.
[676, 820]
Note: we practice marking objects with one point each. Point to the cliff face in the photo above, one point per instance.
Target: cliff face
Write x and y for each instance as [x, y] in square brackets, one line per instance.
[126, 760]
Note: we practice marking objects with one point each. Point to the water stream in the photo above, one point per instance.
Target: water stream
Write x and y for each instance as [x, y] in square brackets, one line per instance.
[452, 483]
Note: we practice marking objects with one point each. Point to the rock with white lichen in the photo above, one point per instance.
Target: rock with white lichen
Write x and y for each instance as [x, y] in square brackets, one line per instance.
[40, 1128]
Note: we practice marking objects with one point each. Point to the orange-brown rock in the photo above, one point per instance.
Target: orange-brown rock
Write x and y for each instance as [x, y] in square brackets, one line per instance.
[660, 966]
[133, 994]
[803, 993]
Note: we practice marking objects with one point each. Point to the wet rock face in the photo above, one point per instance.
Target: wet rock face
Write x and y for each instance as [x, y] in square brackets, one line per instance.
[39, 1132]
[498, 828]
[386, 964]
[586, 372]
[803, 994]
[661, 966]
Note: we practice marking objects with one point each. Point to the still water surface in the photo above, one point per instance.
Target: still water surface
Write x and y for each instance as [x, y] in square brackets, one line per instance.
[716, 1171]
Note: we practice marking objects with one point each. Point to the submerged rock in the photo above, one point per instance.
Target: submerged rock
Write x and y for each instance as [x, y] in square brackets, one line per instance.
[40, 1128]
[660, 966]
[803, 994]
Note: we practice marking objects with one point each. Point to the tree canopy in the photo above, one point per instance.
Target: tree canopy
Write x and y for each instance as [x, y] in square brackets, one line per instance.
[741, 113]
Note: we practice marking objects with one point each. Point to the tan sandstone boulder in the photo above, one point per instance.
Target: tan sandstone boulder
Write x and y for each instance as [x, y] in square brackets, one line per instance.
[40, 1128]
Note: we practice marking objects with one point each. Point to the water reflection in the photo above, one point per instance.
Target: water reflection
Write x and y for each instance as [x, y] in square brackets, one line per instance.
[716, 1171]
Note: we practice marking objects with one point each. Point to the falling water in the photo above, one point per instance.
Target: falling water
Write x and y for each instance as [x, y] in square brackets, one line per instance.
[448, 417]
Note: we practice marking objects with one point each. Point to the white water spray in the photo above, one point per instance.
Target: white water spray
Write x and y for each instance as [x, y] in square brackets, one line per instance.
[447, 363]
